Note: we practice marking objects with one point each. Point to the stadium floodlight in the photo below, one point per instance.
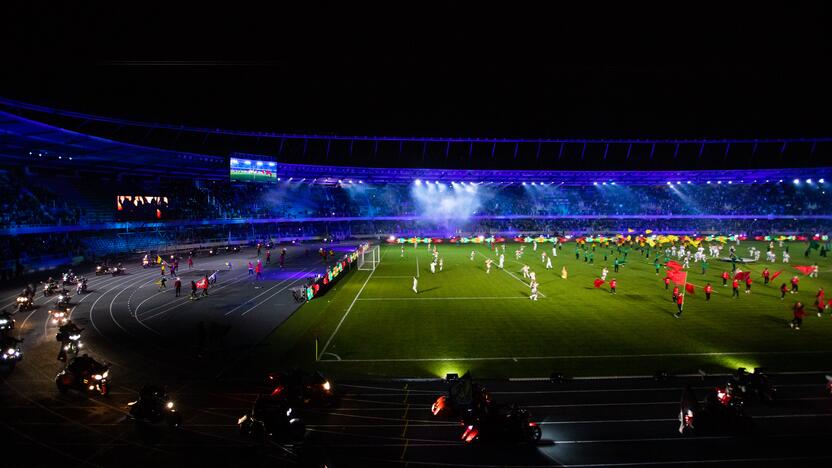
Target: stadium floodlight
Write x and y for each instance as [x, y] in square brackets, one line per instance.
[248, 163]
[233, 161]
[524, 183]
[612, 183]
[688, 182]
[819, 180]
[278, 179]
[259, 163]
[719, 182]
[796, 181]
[290, 179]
[808, 181]
[709, 181]
[417, 182]
[271, 164]
[669, 183]
[534, 183]
[349, 181]
[360, 181]
[678, 182]
[730, 181]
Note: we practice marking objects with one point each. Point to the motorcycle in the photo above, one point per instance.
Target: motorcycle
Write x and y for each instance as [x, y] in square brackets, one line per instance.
[501, 423]
[726, 404]
[25, 302]
[154, 406]
[829, 384]
[69, 278]
[689, 412]
[301, 387]
[11, 353]
[755, 384]
[272, 418]
[6, 323]
[70, 343]
[464, 397]
[62, 301]
[86, 374]
[49, 288]
[81, 287]
[58, 317]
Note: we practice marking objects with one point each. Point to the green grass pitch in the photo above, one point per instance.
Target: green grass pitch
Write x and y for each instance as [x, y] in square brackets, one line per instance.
[373, 324]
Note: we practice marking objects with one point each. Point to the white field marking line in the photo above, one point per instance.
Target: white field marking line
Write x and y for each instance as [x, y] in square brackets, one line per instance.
[513, 276]
[600, 356]
[386, 277]
[183, 300]
[649, 420]
[417, 266]
[326, 345]
[264, 292]
[441, 298]
[291, 283]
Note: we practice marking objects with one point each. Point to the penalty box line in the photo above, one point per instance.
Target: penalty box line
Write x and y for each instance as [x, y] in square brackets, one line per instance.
[590, 356]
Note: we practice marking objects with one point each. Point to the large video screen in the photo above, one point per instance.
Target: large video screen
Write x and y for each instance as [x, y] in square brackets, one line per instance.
[252, 170]
[141, 207]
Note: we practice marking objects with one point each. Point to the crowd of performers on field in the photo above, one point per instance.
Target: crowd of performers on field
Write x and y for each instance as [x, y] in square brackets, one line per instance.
[670, 254]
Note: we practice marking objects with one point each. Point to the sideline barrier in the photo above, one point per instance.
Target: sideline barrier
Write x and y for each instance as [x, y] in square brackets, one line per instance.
[333, 273]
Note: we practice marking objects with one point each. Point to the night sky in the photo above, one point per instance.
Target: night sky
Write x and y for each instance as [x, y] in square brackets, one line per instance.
[452, 70]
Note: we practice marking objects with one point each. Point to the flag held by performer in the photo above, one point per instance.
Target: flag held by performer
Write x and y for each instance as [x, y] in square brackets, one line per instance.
[672, 265]
[776, 275]
[677, 276]
[689, 288]
[805, 269]
[742, 275]
[202, 284]
[598, 282]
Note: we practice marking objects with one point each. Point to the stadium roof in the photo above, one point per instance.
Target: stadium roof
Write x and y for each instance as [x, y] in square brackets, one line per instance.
[30, 127]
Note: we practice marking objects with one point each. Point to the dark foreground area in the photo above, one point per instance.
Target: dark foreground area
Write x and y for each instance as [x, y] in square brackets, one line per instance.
[200, 351]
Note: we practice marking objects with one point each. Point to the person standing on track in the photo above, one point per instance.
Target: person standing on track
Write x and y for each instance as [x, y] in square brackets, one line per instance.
[258, 270]
[666, 283]
[178, 286]
[708, 290]
[250, 269]
[205, 290]
[268, 256]
[725, 277]
[766, 276]
[795, 281]
[613, 285]
[163, 283]
[163, 269]
[736, 286]
[748, 284]
[190, 262]
[193, 289]
[783, 291]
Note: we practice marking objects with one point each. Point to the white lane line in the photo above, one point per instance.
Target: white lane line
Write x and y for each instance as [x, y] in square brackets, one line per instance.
[599, 356]
[513, 276]
[417, 267]
[292, 277]
[292, 283]
[182, 301]
[764, 460]
[326, 345]
[441, 298]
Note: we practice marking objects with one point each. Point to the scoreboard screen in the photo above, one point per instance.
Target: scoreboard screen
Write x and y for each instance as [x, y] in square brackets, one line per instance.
[252, 170]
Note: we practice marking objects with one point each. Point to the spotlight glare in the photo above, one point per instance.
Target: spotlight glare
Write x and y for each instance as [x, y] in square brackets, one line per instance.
[808, 181]
[709, 181]
[820, 181]
[796, 181]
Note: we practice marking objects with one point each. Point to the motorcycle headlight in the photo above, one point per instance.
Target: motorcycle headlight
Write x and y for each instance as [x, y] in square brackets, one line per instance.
[98, 376]
[10, 351]
[3, 321]
[106, 374]
[288, 412]
[74, 337]
[327, 386]
[170, 405]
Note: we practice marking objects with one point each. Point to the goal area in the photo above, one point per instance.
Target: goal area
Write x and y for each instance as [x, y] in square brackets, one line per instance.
[369, 258]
